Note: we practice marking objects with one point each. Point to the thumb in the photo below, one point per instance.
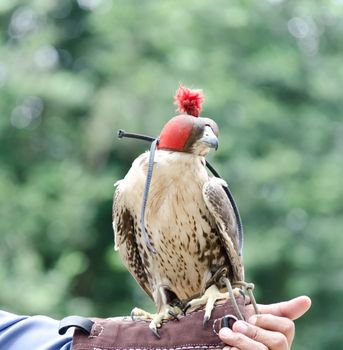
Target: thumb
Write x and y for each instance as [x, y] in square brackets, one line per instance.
[291, 309]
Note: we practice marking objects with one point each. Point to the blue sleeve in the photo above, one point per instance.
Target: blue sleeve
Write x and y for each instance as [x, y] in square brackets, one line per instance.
[31, 333]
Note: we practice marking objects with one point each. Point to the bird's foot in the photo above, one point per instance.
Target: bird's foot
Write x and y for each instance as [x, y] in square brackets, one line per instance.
[211, 295]
[141, 314]
[167, 313]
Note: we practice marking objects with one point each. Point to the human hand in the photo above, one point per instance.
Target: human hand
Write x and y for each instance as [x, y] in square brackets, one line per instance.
[273, 329]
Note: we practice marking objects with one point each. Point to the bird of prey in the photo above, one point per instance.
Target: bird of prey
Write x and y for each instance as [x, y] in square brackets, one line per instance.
[189, 236]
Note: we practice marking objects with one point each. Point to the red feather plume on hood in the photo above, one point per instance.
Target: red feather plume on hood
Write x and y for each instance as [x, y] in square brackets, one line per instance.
[189, 101]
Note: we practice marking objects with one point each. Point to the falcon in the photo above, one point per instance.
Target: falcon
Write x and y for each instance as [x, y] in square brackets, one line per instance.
[180, 241]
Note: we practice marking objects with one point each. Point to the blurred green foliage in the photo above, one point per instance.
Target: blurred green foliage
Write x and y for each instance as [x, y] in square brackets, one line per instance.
[73, 72]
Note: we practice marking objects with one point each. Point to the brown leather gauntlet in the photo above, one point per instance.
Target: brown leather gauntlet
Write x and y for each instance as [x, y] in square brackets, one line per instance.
[186, 333]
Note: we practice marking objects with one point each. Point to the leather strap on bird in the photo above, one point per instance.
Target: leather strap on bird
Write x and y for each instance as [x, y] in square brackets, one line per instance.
[186, 333]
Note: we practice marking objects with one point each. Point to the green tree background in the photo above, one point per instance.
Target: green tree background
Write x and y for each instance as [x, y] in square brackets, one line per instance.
[73, 72]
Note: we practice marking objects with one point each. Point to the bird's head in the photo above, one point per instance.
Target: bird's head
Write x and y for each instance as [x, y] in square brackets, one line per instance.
[188, 132]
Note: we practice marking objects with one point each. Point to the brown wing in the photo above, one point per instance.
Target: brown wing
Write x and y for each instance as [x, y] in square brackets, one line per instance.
[125, 233]
[221, 209]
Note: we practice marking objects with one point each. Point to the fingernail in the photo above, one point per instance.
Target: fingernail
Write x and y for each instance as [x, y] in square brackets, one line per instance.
[225, 332]
[241, 327]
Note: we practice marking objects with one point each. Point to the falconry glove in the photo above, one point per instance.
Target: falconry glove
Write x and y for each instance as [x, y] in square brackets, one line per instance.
[184, 333]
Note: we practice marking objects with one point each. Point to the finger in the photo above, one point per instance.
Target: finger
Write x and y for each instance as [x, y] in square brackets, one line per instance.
[291, 309]
[276, 324]
[272, 340]
[240, 341]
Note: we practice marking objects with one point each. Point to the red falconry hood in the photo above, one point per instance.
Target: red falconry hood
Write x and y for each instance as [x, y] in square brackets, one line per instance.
[178, 130]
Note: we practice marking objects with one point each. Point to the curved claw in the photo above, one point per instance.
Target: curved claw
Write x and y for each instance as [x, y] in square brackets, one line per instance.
[241, 292]
[186, 308]
[154, 330]
[172, 314]
[132, 315]
[205, 321]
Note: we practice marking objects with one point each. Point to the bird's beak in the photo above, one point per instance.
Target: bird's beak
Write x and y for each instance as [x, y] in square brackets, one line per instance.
[209, 138]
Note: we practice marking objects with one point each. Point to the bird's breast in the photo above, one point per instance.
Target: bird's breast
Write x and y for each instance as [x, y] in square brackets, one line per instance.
[178, 223]
[184, 235]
